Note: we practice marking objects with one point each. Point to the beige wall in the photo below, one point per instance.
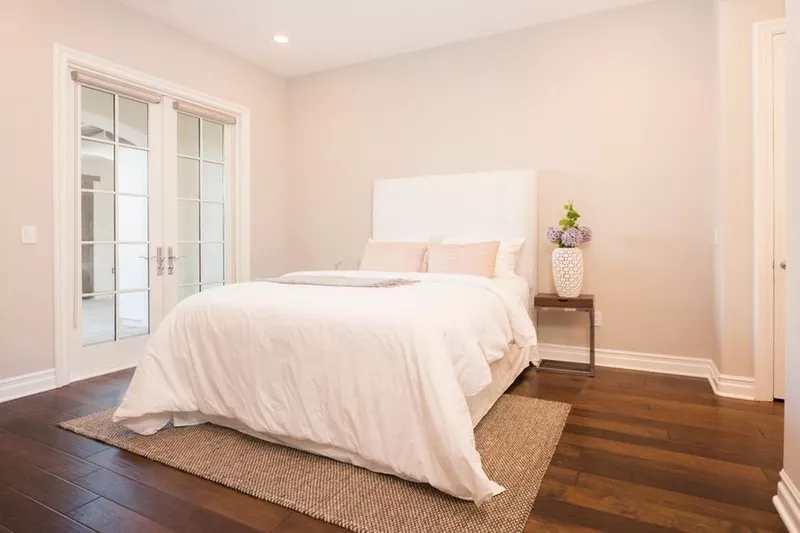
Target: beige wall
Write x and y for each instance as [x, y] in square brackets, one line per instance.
[791, 443]
[109, 30]
[618, 111]
[734, 257]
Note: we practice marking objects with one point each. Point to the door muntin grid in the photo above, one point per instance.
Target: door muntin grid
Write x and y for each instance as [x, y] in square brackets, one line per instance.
[201, 205]
[114, 155]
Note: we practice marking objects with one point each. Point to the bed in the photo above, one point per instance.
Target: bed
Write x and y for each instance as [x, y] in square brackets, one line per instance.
[390, 378]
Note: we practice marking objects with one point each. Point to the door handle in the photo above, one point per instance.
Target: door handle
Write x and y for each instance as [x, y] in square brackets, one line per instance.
[171, 261]
[783, 264]
[159, 257]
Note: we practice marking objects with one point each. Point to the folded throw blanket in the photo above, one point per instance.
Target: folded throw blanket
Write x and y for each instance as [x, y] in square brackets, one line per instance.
[340, 281]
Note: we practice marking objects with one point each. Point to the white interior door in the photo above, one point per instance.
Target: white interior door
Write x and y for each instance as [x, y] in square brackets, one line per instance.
[154, 220]
[119, 218]
[198, 228]
[779, 166]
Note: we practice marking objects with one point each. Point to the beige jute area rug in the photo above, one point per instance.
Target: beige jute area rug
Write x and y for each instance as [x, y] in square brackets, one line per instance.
[516, 441]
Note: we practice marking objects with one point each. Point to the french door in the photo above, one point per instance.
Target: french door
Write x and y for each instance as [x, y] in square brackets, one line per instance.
[153, 220]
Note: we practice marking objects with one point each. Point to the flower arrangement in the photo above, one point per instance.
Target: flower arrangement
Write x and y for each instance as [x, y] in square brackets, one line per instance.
[568, 234]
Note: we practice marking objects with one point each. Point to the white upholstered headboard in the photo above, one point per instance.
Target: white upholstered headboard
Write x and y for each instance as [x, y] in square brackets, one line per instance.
[486, 205]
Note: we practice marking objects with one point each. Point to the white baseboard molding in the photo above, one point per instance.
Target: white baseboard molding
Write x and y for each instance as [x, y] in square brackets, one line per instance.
[80, 376]
[45, 380]
[787, 502]
[729, 386]
[27, 384]
[723, 385]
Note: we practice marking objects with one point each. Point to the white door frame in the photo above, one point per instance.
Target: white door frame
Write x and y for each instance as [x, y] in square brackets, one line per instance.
[65, 163]
[763, 211]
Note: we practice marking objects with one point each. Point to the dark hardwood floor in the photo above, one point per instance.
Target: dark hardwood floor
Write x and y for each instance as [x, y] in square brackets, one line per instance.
[641, 453]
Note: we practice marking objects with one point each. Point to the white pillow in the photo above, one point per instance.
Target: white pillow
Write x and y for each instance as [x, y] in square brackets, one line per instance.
[508, 254]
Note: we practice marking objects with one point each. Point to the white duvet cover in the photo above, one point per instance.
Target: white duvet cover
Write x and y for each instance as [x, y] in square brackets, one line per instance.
[374, 376]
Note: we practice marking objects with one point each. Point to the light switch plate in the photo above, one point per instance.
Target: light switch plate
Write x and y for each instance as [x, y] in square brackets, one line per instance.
[28, 234]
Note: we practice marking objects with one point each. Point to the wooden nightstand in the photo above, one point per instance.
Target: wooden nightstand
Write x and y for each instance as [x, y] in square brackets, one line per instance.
[583, 303]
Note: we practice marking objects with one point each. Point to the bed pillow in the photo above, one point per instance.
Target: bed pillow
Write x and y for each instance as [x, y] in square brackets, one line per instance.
[476, 258]
[508, 254]
[393, 256]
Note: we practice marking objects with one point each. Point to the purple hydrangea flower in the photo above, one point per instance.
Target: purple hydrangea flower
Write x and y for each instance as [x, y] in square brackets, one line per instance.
[554, 234]
[586, 234]
[571, 238]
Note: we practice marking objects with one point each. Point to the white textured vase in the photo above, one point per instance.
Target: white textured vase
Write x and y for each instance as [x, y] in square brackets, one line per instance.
[568, 271]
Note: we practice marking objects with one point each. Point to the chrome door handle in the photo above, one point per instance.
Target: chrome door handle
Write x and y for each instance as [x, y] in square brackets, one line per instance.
[783, 264]
[159, 257]
[171, 261]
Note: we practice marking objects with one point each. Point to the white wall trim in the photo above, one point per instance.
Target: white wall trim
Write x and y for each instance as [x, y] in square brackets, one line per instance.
[723, 385]
[763, 213]
[787, 502]
[743, 388]
[27, 384]
[65, 128]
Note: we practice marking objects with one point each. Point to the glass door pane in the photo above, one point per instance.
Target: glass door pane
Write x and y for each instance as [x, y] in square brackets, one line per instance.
[201, 205]
[115, 218]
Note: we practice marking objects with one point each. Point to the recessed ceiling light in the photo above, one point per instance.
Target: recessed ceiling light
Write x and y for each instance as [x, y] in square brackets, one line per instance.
[281, 39]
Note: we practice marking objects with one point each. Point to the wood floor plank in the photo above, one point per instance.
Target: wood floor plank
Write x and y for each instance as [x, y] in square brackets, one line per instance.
[562, 475]
[252, 512]
[710, 448]
[606, 498]
[54, 461]
[20, 514]
[98, 401]
[38, 412]
[772, 433]
[583, 517]
[57, 401]
[773, 476]
[754, 450]
[42, 486]
[107, 517]
[671, 477]
[542, 524]
[620, 427]
[158, 506]
[613, 404]
[54, 437]
[603, 486]
[701, 464]
[676, 414]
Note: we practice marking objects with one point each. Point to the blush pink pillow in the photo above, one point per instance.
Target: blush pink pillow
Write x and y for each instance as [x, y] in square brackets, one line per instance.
[393, 256]
[476, 258]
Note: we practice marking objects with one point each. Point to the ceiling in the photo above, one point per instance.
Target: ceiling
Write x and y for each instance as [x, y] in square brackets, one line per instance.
[331, 33]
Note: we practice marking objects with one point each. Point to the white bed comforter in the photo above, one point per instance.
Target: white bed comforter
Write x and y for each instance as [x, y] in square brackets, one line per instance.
[374, 376]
